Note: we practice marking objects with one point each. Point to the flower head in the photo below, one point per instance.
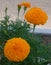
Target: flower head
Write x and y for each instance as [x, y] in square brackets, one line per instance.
[36, 16]
[16, 49]
[26, 4]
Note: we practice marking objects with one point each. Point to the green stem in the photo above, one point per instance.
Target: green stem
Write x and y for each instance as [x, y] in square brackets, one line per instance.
[35, 47]
[36, 60]
[25, 8]
[34, 28]
[6, 11]
[19, 8]
[18, 14]
[6, 16]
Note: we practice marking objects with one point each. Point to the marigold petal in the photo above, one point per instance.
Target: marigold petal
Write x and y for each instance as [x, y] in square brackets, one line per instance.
[16, 49]
[36, 16]
[26, 4]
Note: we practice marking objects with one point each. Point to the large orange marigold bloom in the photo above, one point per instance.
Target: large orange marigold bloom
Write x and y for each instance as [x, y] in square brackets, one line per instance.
[16, 49]
[26, 4]
[36, 16]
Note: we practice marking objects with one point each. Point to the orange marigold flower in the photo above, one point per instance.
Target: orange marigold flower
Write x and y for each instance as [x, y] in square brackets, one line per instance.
[26, 4]
[36, 16]
[16, 49]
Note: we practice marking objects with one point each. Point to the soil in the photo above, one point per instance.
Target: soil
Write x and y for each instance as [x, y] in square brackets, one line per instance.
[46, 39]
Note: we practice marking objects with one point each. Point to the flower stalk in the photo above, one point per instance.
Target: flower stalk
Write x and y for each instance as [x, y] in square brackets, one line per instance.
[34, 28]
[6, 11]
[25, 8]
[19, 8]
[36, 60]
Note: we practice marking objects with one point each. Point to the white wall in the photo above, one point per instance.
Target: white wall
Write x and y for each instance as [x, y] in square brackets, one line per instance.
[12, 10]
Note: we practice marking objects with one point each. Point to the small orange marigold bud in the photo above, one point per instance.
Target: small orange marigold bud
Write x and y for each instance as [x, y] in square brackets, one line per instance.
[26, 4]
[16, 49]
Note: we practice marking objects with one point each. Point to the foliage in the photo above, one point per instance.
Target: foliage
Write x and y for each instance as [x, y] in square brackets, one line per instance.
[40, 54]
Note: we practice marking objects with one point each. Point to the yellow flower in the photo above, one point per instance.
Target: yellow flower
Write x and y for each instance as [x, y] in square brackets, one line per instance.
[16, 49]
[36, 16]
[26, 4]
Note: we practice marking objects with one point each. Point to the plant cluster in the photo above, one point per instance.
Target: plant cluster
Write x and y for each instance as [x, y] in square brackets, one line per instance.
[12, 32]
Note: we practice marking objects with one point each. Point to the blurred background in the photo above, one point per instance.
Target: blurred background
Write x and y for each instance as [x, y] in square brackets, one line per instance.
[12, 12]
